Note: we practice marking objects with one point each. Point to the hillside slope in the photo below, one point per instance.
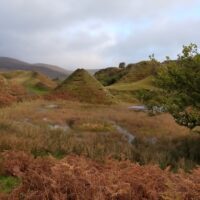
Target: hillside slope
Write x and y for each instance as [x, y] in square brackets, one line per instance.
[131, 73]
[33, 82]
[9, 92]
[139, 71]
[146, 83]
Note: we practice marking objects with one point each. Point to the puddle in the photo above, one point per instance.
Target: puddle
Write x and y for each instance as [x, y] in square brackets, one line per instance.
[44, 108]
[52, 106]
[138, 108]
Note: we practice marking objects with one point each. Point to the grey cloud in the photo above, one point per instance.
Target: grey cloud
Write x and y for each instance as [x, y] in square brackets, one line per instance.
[95, 33]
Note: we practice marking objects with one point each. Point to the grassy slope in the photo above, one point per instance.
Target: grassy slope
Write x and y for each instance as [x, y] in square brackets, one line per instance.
[33, 81]
[126, 91]
[9, 92]
[129, 74]
[139, 71]
[84, 87]
[127, 80]
[146, 83]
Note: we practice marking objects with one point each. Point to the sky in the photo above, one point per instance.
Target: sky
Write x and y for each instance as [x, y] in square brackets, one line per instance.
[96, 33]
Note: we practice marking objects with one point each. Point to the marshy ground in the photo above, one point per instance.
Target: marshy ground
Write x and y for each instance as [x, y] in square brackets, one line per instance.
[62, 130]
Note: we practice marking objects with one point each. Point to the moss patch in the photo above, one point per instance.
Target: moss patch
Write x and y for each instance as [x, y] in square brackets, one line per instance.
[8, 183]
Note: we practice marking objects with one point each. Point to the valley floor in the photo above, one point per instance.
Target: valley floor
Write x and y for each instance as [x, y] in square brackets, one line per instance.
[69, 150]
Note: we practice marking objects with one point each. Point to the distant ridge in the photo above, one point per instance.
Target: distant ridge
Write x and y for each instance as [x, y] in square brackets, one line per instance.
[85, 88]
[11, 64]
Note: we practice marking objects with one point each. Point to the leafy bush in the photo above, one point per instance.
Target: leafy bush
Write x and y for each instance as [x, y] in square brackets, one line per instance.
[179, 83]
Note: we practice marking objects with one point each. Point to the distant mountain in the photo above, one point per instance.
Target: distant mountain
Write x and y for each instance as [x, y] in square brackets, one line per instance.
[11, 64]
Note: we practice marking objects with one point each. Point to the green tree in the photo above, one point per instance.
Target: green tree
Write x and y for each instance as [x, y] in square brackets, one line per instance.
[179, 82]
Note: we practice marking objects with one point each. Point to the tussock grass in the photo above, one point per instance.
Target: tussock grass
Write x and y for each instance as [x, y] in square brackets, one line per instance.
[159, 140]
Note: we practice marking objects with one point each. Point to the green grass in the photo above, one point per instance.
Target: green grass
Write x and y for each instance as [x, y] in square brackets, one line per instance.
[125, 92]
[146, 83]
[37, 90]
[8, 183]
[139, 71]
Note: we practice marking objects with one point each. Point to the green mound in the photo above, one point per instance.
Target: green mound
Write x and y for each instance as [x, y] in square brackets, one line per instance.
[129, 74]
[33, 82]
[146, 83]
[85, 88]
[139, 71]
[109, 75]
[124, 82]
[126, 92]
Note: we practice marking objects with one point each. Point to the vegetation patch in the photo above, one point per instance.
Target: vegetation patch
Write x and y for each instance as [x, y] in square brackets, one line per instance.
[8, 183]
[94, 126]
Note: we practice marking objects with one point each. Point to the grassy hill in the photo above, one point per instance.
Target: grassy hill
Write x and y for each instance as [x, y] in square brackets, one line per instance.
[10, 64]
[131, 73]
[84, 87]
[124, 82]
[109, 75]
[139, 71]
[146, 83]
[33, 82]
[127, 91]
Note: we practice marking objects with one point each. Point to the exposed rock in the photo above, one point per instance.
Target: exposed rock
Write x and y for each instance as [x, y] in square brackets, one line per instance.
[196, 129]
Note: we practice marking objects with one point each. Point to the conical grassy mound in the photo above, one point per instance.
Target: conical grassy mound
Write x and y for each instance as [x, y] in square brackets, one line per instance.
[85, 88]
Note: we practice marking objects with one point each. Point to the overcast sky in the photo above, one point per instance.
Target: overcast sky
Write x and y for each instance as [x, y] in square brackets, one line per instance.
[96, 33]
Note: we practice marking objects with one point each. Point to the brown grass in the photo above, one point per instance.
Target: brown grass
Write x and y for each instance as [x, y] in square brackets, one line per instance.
[26, 127]
[78, 178]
